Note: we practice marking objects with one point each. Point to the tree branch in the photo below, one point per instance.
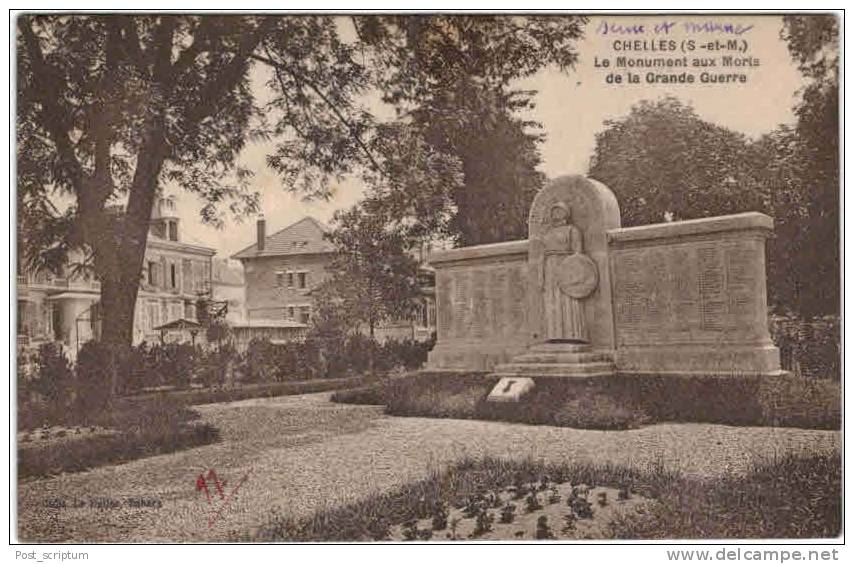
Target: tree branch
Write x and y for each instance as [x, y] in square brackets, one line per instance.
[343, 119]
[47, 90]
[102, 117]
[133, 46]
[188, 55]
[219, 86]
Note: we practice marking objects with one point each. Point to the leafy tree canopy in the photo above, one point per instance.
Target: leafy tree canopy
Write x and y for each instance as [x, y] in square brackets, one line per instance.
[452, 78]
[111, 108]
[665, 163]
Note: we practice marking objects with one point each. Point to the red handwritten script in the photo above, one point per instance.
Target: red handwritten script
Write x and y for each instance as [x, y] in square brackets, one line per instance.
[204, 483]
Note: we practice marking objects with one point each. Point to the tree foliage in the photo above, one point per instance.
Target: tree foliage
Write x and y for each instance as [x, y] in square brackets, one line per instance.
[114, 108]
[452, 78]
[664, 162]
[374, 275]
[813, 42]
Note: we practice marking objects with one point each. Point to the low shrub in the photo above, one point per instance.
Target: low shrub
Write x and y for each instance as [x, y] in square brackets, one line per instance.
[407, 353]
[598, 411]
[264, 361]
[141, 429]
[259, 390]
[46, 391]
[215, 367]
[372, 394]
[350, 355]
[619, 402]
[809, 347]
[439, 395]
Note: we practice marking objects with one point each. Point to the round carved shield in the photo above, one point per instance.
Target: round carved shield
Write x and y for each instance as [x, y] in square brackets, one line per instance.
[578, 276]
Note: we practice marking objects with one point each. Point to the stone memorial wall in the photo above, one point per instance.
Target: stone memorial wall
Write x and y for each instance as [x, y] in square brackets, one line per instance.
[683, 298]
[482, 318]
[690, 296]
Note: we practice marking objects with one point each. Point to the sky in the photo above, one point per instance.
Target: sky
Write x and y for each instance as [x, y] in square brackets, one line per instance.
[572, 109]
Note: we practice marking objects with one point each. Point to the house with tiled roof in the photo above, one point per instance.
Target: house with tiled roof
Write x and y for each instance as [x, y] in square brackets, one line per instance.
[281, 270]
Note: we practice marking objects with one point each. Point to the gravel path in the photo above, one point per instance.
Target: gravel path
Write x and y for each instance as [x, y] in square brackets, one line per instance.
[298, 454]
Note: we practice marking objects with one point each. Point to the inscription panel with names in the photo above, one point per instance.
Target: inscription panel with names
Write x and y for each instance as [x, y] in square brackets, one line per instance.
[485, 302]
[687, 292]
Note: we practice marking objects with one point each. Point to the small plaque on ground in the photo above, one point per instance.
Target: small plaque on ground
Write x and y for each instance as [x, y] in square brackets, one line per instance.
[510, 389]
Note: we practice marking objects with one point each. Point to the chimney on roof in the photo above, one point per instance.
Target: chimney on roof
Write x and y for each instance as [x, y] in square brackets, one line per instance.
[262, 232]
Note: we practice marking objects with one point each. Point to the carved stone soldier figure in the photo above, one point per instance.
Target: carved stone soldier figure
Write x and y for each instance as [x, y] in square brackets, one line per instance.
[566, 276]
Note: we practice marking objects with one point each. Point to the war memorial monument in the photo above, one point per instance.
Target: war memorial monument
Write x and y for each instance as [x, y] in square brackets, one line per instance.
[584, 297]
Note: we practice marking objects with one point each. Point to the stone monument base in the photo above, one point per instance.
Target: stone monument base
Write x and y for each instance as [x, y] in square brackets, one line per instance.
[725, 359]
[561, 360]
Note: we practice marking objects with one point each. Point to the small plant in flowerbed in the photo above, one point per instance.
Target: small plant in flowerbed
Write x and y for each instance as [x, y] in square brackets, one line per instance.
[474, 505]
[380, 529]
[532, 502]
[544, 531]
[582, 508]
[440, 517]
[519, 489]
[624, 494]
[410, 530]
[454, 526]
[554, 496]
[545, 483]
[569, 523]
[508, 513]
[483, 523]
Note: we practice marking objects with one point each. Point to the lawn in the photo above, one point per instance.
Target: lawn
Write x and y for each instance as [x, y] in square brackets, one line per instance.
[138, 426]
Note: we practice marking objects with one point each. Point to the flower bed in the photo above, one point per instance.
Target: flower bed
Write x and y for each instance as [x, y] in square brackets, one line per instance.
[792, 497]
[126, 432]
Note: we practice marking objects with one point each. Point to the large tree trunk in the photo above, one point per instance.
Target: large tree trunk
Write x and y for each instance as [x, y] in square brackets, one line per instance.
[371, 325]
[122, 257]
[117, 303]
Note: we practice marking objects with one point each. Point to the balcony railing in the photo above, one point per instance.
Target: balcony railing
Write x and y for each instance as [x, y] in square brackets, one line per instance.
[61, 282]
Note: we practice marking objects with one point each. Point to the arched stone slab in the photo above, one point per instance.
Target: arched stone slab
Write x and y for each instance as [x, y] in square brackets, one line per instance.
[594, 210]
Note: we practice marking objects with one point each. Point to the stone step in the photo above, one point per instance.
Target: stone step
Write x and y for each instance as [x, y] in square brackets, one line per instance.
[535, 369]
[562, 357]
[560, 348]
[581, 375]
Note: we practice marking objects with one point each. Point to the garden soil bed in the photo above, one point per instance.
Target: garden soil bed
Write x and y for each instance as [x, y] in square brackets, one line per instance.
[562, 522]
